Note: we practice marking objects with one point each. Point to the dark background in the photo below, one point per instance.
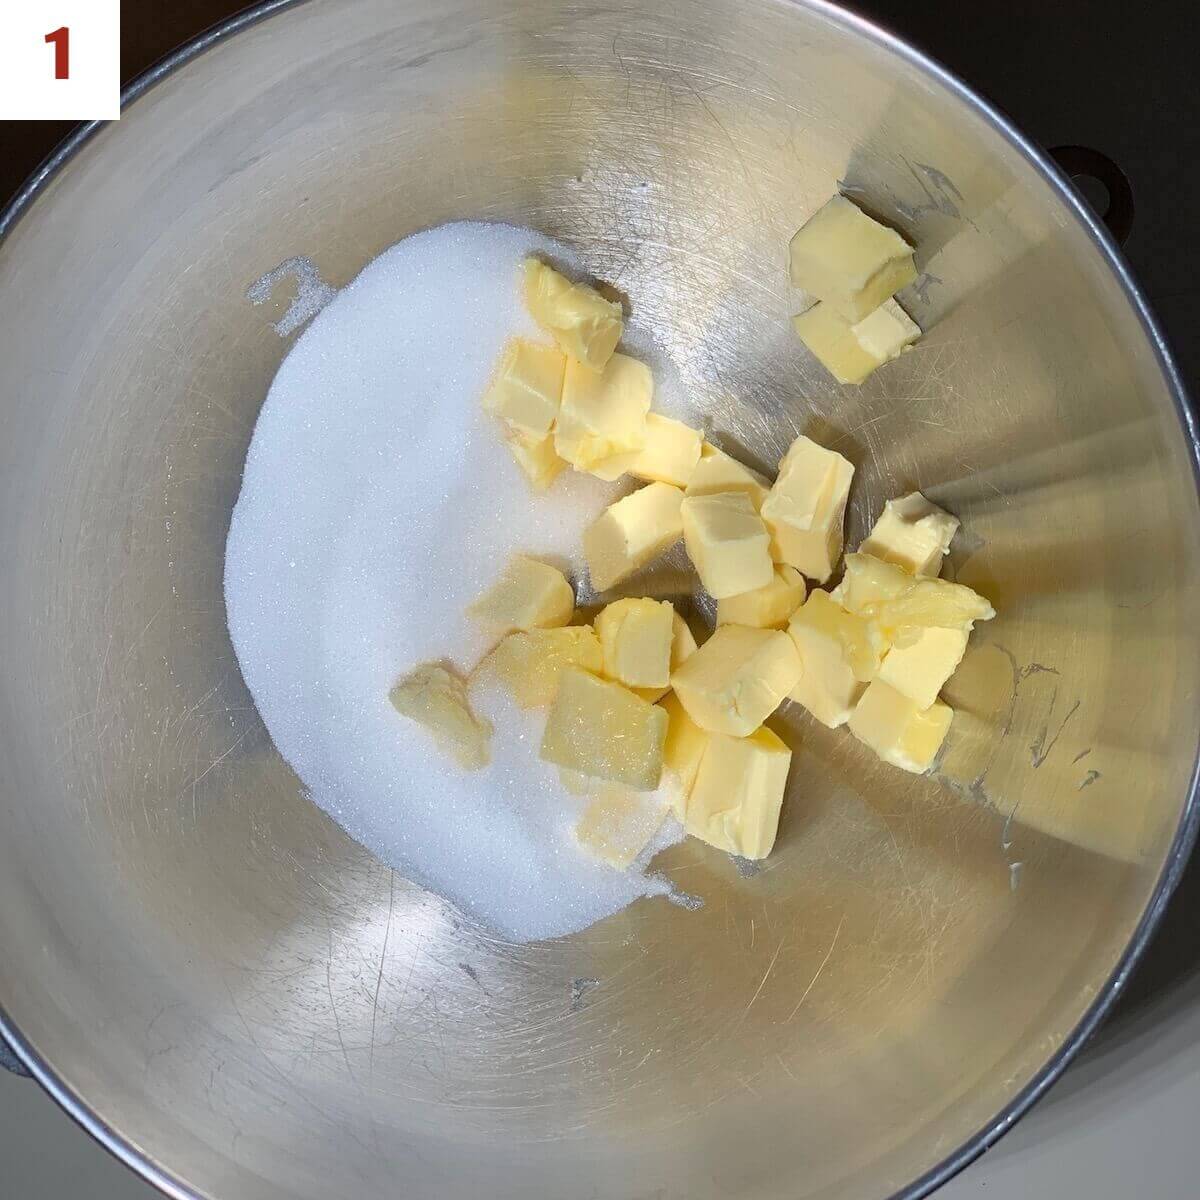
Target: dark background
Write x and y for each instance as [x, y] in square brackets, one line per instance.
[1120, 78]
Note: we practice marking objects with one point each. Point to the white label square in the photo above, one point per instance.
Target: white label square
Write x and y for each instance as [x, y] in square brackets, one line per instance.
[60, 60]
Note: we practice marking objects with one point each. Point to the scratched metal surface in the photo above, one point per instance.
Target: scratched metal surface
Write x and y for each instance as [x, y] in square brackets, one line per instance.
[260, 1007]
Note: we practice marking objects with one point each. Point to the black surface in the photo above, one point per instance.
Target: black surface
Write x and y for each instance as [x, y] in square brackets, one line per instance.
[1121, 79]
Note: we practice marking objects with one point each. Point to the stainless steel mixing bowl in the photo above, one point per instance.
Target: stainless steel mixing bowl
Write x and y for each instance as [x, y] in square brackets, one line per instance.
[244, 1004]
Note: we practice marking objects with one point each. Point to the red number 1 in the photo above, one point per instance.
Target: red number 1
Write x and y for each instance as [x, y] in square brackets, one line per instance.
[62, 51]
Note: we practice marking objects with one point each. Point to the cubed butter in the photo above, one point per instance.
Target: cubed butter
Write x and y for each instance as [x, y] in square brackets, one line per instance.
[636, 637]
[618, 824]
[767, 607]
[806, 508]
[900, 606]
[631, 533]
[603, 412]
[737, 679]
[831, 644]
[870, 582]
[912, 533]
[735, 801]
[718, 472]
[683, 644]
[583, 323]
[897, 730]
[602, 729]
[849, 260]
[669, 455]
[727, 543]
[528, 664]
[920, 670]
[527, 387]
[682, 751]
[528, 595]
[537, 458]
[437, 700]
[851, 352]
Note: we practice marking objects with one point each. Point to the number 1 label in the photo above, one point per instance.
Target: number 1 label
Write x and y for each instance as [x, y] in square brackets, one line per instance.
[61, 40]
[60, 60]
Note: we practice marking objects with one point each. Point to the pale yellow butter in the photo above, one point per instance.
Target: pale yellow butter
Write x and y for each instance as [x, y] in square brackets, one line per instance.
[851, 352]
[526, 390]
[618, 824]
[602, 729]
[528, 595]
[631, 533]
[920, 670]
[727, 543]
[718, 472]
[683, 644]
[437, 700]
[684, 747]
[583, 323]
[869, 582]
[832, 644]
[849, 260]
[537, 458]
[738, 678]
[767, 607]
[528, 664]
[735, 801]
[603, 413]
[897, 730]
[669, 455]
[806, 508]
[913, 533]
[636, 637]
[900, 606]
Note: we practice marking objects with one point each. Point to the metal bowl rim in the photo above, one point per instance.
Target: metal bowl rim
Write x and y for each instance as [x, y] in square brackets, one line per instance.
[1185, 838]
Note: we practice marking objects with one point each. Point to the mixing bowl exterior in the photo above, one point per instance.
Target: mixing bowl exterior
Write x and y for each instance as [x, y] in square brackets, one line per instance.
[242, 1002]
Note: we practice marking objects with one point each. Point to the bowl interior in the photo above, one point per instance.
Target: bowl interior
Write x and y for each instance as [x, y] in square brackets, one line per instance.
[259, 1007]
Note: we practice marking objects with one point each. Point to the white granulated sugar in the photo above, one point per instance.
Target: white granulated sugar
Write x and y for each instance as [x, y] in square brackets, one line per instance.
[378, 501]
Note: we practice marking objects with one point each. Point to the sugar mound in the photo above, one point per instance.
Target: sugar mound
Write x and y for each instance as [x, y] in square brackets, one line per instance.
[378, 500]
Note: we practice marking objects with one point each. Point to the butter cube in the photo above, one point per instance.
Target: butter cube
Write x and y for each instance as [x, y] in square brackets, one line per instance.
[912, 533]
[900, 606]
[848, 260]
[682, 751]
[583, 323]
[527, 388]
[767, 607]
[632, 532]
[920, 670]
[618, 824]
[831, 644]
[806, 508]
[727, 543]
[718, 472]
[602, 729]
[528, 595]
[528, 664]
[870, 582]
[737, 679]
[669, 455]
[897, 730]
[603, 412]
[636, 637]
[851, 352]
[734, 803]
[437, 700]
[683, 644]
[537, 458]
